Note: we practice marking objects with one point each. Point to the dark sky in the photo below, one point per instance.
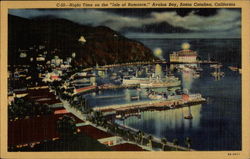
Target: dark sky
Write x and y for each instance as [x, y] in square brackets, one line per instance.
[152, 23]
[145, 12]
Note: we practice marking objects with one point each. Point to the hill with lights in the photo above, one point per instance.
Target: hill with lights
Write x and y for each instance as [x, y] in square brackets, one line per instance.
[90, 44]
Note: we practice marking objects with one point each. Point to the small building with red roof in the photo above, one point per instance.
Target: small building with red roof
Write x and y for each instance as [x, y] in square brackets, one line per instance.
[100, 135]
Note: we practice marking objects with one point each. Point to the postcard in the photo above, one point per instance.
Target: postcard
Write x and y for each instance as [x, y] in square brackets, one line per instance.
[125, 79]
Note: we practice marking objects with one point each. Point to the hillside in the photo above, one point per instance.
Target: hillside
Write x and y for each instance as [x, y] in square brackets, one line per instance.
[102, 46]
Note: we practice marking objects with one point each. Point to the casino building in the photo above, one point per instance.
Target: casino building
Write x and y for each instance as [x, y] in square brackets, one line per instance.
[184, 56]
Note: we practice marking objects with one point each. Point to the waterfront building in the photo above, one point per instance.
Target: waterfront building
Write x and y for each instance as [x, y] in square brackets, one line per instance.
[184, 56]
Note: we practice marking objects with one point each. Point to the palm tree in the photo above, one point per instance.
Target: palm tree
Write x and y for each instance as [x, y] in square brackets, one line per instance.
[164, 142]
[66, 127]
[129, 135]
[176, 142]
[115, 128]
[142, 137]
[150, 138]
[137, 136]
[188, 142]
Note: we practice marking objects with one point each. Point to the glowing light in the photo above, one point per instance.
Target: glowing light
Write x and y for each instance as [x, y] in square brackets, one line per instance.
[82, 39]
[158, 52]
[185, 46]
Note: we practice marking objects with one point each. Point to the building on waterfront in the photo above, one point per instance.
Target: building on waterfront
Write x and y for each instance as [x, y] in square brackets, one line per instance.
[184, 56]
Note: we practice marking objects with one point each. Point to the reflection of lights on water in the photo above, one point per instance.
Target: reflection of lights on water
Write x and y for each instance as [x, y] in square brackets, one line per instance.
[127, 94]
[158, 70]
[187, 80]
[172, 67]
[170, 119]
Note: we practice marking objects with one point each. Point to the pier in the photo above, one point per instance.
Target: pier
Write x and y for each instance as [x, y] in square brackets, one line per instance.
[112, 86]
[148, 105]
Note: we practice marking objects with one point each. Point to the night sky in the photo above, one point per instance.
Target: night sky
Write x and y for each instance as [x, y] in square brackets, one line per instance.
[151, 23]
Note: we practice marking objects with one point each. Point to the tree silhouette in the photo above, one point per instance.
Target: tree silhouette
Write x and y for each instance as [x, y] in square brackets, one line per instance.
[188, 142]
[150, 138]
[164, 142]
[176, 143]
[66, 127]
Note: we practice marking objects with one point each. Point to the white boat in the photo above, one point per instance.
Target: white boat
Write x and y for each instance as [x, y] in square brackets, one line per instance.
[119, 116]
[134, 80]
[240, 70]
[135, 97]
[196, 74]
[155, 82]
[216, 74]
[233, 68]
[160, 84]
[156, 96]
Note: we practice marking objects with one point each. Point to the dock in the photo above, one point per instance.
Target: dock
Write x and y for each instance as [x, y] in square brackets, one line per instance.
[112, 86]
[149, 105]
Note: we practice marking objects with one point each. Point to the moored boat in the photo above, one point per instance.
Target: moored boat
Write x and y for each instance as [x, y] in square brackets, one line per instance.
[233, 68]
[188, 117]
[160, 84]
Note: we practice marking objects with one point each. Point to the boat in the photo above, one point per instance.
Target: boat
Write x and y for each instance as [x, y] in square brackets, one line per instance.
[134, 80]
[233, 68]
[136, 114]
[188, 117]
[156, 96]
[127, 115]
[187, 70]
[215, 65]
[138, 89]
[196, 74]
[240, 70]
[160, 84]
[119, 116]
[153, 82]
[199, 69]
[215, 74]
[135, 97]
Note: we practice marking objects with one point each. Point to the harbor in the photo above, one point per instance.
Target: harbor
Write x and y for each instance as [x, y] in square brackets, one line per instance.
[135, 107]
[124, 93]
[155, 81]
